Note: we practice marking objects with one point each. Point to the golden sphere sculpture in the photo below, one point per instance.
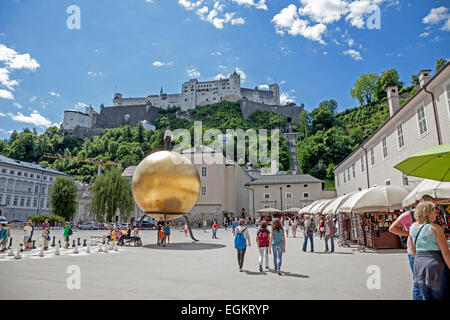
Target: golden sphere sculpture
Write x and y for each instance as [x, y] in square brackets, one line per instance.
[166, 183]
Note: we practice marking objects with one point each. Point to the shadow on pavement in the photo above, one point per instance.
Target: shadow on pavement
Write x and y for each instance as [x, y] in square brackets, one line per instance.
[186, 246]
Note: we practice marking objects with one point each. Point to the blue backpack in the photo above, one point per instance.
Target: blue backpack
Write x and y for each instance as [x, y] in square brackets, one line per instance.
[239, 240]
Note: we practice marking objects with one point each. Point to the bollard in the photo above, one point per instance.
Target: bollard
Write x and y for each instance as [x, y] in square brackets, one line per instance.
[53, 243]
[34, 244]
[84, 243]
[18, 256]
[79, 243]
[10, 243]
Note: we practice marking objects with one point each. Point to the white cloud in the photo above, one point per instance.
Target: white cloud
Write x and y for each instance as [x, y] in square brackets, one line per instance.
[80, 106]
[241, 73]
[4, 79]
[282, 82]
[17, 105]
[212, 16]
[357, 10]
[5, 94]
[14, 60]
[34, 118]
[189, 5]
[54, 94]
[438, 15]
[193, 72]
[261, 4]
[95, 74]
[350, 42]
[424, 35]
[286, 98]
[217, 53]
[219, 76]
[323, 11]
[288, 20]
[221, 67]
[2, 114]
[264, 86]
[325, 53]
[355, 55]
[33, 99]
[161, 64]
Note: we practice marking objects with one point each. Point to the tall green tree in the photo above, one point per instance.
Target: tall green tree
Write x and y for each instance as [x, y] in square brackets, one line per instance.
[365, 88]
[387, 79]
[63, 197]
[303, 127]
[112, 192]
[440, 64]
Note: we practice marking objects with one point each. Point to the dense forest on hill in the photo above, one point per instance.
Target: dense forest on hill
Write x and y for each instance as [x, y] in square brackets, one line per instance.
[127, 145]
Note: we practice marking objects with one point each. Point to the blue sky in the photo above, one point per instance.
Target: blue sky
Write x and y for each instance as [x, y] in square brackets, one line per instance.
[314, 49]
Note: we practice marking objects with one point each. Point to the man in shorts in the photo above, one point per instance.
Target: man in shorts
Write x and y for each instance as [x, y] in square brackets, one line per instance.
[28, 229]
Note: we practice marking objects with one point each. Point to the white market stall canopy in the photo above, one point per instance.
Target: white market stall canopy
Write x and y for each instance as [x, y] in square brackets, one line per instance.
[436, 189]
[292, 210]
[320, 206]
[376, 199]
[333, 207]
[268, 211]
[306, 209]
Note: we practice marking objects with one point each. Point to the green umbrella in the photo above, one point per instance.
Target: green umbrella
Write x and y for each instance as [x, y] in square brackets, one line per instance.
[432, 163]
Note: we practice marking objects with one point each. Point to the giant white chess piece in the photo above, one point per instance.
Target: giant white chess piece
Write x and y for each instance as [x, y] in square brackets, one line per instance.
[57, 253]
[100, 249]
[88, 249]
[18, 255]
[41, 252]
[76, 248]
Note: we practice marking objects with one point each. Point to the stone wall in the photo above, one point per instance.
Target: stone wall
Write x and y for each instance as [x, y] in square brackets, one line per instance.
[114, 117]
[249, 107]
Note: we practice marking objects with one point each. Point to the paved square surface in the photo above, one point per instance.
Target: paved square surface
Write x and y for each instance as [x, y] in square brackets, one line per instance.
[204, 270]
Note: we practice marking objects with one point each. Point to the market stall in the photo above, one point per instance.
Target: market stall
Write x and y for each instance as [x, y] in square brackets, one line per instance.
[268, 214]
[438, 190]
[343, 219]
[371, 212]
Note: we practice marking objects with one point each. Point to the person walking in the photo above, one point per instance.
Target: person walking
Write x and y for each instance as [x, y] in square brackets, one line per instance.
[205, 224]
[45, 237]
[277, 244]
[4, 235]
[214, 229]
[167, 232]
[234, 225]
[432, 255]
[286, 226]
[159, 227]
[67, 233]
[401, 228]
[310, 226]
[330, 231]
[168, 139]
[28, 229]
[186, 230]
[262, 239]
[321, 228]
[241, 240]
[294, 227]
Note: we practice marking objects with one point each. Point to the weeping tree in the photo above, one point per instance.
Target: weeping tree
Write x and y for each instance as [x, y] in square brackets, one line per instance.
[63, 197]
[111, 192]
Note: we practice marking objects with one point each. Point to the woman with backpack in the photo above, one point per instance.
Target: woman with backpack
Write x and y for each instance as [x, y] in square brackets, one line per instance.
[262, 239]
[241, 239]
[277, 243]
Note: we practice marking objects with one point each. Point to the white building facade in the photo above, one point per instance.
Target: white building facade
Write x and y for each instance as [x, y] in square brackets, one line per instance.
[422, 122]
[24, 188]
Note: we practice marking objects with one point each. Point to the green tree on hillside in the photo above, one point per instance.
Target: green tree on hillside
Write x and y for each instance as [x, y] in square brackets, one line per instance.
[365, 88]
[63, 197]
[440, 63]
[111, 192]
[388, 78]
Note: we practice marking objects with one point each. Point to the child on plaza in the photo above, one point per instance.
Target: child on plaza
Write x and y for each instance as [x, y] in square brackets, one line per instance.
[45, 237]
[67, 233]
[214, 229]
[161, 237]
[185, 230]
[167, 232]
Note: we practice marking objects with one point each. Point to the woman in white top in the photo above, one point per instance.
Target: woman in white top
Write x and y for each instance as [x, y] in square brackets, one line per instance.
[286, 226]
[294, 227]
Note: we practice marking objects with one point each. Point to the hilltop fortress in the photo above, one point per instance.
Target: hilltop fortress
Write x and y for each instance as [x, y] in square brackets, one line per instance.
[131, 111]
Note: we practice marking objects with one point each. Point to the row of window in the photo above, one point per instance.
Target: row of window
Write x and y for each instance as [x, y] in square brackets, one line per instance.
[287, 195]
[23, 202]
[20, 186]
[288, 206]
[422, 129]
[25, 174]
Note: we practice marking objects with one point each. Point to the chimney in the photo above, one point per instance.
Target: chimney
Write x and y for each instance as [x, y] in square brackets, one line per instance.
[424, 77]
[394, 102]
